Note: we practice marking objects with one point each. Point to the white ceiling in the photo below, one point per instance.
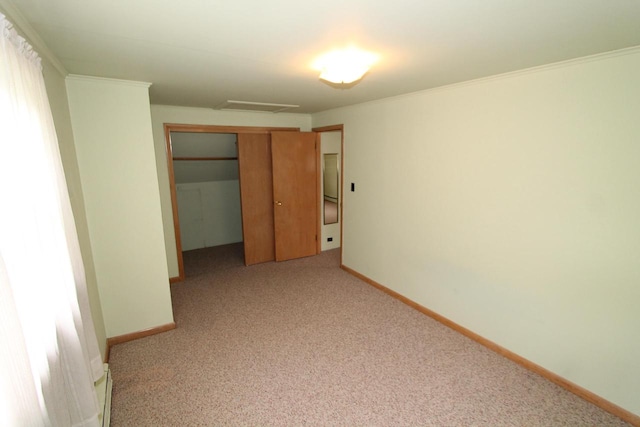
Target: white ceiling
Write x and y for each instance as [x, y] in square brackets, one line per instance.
[204, 52]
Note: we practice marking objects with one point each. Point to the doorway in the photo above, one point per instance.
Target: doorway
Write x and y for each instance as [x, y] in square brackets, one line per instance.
[331, 161]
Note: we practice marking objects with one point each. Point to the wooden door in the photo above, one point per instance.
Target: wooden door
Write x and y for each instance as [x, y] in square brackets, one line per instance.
[256, 197]
[294, 194]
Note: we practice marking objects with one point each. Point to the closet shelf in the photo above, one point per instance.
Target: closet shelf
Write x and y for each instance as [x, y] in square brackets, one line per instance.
[205, 158]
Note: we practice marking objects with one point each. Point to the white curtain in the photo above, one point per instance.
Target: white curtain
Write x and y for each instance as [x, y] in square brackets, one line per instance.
[49, 357]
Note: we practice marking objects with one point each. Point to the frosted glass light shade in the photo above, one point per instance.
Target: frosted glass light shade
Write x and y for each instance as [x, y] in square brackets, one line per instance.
[344, 66]
[343, 73]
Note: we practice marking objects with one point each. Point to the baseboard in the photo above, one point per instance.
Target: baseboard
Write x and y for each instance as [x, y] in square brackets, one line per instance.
[556, 379]
[103, 391]
[137, 335]
[176, 279]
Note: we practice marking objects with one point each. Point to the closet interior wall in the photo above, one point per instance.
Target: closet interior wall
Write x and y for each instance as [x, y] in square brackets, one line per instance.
[207, 189]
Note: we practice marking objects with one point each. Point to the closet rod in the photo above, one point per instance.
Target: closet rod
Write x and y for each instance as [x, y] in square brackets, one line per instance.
[205, 158]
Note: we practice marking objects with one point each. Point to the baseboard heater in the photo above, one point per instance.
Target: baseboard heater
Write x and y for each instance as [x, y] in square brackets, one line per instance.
[103, 389]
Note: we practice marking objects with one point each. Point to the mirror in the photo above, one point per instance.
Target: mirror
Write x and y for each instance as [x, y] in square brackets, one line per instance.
[330, 185]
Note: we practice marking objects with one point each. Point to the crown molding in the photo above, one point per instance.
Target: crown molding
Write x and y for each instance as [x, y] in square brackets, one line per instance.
[25, 29]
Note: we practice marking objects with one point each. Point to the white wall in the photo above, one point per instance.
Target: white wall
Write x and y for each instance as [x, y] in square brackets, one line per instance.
[330, 142]
[161, 114]
[114, 144]
[512, 207]
[209, 214]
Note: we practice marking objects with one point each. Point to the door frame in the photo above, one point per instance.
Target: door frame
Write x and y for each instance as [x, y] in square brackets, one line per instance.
[319, 131]
[190, 128]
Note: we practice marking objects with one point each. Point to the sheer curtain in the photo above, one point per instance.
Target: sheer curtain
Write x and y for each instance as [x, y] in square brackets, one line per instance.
[49, 357]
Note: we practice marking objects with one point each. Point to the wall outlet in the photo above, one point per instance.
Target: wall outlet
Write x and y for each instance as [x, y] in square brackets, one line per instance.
[329, 239]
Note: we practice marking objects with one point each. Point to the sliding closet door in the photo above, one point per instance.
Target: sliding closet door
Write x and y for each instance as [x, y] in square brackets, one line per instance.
[294, 194]
[256, 196]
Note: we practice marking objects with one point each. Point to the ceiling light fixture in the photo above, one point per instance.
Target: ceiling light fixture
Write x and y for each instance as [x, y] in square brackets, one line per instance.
[344, 66]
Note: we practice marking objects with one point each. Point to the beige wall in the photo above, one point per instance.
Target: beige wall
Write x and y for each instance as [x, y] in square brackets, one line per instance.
[56, 91]
[114, 144]
[511, 207]
[54, 75]
[161, 114]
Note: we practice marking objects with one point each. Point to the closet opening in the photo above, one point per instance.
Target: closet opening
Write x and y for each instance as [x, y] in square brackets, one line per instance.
[203, 168]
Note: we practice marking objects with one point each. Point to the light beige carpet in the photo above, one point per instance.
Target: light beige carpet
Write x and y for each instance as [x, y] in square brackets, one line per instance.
[304, 343]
